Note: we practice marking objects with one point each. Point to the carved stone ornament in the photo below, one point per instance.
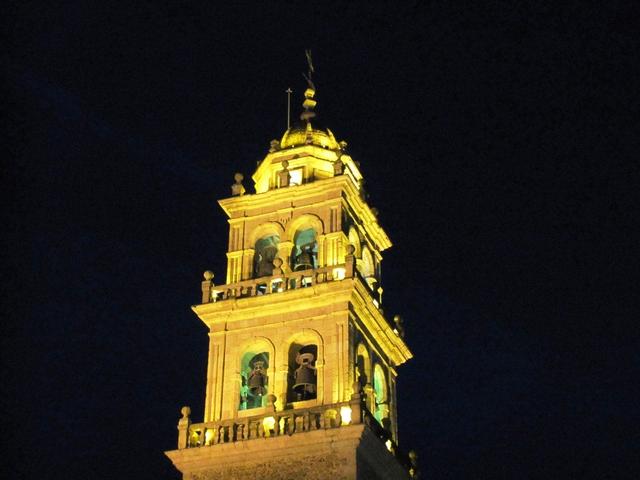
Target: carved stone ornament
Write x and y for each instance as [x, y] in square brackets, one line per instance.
[237, 188]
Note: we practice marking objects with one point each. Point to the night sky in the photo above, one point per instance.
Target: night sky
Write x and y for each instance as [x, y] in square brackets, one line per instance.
[498, 141]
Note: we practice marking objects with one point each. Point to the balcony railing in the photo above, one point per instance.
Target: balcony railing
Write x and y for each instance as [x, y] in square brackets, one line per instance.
[276, 283]
[288, 422]
[272, 424]
[281, 282]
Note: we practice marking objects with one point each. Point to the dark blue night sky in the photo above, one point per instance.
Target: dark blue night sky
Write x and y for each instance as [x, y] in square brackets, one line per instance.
[498, 142]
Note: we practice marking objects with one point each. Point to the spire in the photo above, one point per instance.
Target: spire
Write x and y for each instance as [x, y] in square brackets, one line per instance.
[309, 103]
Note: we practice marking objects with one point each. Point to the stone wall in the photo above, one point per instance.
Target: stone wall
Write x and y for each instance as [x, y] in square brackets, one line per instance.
[308, 467]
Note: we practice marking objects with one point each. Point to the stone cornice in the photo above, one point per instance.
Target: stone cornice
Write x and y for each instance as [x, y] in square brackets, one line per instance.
[378, 327]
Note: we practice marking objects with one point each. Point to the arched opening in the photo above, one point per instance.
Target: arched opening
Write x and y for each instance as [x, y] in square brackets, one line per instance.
[254, 379]
[363, 366]
[366, 267]
[354, 239]
[303, 378]
[305, 250]
[381, 395]
[266, 249]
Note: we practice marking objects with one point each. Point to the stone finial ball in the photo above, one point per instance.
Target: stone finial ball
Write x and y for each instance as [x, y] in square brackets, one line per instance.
[277, 262]
[238, 177]
[350, 249]
[413, 455]
[208, 275]
[185, 411]
[285, 163]
[397, 318]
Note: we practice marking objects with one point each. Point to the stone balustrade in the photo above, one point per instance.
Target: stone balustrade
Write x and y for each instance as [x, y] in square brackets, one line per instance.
[276, 283]
[287, 422]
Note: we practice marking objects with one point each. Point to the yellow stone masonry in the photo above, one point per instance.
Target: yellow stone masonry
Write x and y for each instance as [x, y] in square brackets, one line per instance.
[298, 341]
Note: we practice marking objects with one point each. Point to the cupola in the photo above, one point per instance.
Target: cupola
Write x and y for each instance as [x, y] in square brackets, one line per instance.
[305, 153]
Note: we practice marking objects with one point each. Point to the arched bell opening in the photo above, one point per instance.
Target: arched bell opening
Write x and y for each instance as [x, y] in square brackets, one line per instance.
[305, 250]
[366, 267]
[303, 377]
[254, 380]
[381, 395]
[354, 239]
[266, 250]
[363, 366]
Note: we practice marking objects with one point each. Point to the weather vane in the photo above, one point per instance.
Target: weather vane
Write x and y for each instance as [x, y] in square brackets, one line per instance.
[310, 71]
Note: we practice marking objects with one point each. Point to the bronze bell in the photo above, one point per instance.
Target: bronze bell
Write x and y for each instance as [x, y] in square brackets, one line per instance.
[304, 261]
[264, 263]
[305, 376]
[257, 379]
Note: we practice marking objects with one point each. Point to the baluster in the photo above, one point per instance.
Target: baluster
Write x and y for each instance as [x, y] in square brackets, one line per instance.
[314, 421]
[306, 421]
[299, 424]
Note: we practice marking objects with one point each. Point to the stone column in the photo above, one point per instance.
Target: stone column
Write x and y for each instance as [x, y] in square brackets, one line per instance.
[247, 264]
[355, 403]
[284, 252]
[322, 255]
[350, 261]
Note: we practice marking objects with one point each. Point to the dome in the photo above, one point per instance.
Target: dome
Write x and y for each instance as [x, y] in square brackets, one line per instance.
[307, 135]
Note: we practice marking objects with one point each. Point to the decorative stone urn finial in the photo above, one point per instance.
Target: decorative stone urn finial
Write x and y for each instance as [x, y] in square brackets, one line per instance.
[271, 402]
[277, 264]
[397, 319]
[237, 188]
[284, 177]
[207, 287]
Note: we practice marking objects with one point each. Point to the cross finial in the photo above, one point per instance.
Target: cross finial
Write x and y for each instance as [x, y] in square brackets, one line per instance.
[288, 91]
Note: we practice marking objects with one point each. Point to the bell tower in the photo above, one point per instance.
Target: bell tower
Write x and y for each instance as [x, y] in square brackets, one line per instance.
[301, 376]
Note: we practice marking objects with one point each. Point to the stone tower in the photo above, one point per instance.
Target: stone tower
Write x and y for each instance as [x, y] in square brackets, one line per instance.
[301, 378]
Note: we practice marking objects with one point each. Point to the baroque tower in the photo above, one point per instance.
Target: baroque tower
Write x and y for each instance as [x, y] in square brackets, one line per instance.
[301, 377]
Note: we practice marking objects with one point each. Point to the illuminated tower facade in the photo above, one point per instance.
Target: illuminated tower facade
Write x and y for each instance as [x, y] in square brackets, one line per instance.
[301, 377]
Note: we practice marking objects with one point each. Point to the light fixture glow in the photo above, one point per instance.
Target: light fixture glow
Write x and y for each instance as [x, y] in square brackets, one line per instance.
[345, 414]
[269, 425]
[339, 273]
